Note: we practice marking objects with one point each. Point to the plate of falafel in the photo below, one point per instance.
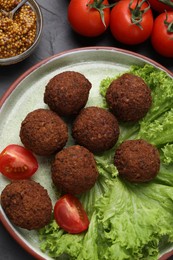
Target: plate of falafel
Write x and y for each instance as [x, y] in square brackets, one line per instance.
[99, 122]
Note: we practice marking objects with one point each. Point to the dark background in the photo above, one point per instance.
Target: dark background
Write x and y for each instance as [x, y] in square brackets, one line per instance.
[57, 36]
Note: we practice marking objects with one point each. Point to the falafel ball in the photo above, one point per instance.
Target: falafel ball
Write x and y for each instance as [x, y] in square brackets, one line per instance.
[129, 98]
[74, 170]
[67, 93]
[43, 132]
[96, 129]
[137, 160]
[27, 204]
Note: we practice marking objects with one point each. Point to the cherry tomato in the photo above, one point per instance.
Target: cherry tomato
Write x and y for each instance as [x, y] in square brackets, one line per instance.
[161, 5]
[131, 22]
[17, 163]
[162, 34]
[70, 215]
[85, 19]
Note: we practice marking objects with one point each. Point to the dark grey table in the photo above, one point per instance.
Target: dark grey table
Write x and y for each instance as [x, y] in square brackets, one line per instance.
[57, 37]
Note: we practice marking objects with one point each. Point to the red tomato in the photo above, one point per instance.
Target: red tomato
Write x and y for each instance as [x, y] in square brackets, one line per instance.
[162, 38]
[161, 5]
[70, 215]
[17, 163]
[124, 29]
[86, 20]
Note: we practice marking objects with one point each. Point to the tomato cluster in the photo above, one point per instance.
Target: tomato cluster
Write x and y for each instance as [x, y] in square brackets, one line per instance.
[131, 21]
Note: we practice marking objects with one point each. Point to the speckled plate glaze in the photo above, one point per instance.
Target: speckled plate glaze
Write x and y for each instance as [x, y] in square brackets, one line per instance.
[26, 94]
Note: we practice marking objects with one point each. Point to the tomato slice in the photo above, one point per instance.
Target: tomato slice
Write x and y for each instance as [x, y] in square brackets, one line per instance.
[16, 162]
[70, 214]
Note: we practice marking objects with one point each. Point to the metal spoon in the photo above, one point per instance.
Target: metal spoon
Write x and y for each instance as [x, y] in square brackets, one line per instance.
[12, 12]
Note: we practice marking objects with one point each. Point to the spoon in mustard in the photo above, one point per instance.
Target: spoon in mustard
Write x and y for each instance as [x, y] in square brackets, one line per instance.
[12, 12]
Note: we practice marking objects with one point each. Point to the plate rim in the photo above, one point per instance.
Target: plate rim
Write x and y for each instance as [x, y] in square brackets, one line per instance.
[14, 85]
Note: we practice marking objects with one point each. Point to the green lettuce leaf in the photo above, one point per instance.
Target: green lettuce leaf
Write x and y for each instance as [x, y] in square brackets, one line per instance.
[90, 247]
[135, 218]
[104, 84]
[52, 241]
[167, 154]
[160, 131]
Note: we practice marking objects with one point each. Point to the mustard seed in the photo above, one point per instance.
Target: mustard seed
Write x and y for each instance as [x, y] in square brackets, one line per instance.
[17, 34]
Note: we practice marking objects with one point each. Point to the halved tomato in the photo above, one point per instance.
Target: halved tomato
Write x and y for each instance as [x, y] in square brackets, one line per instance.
[16, 162]
[70, 214]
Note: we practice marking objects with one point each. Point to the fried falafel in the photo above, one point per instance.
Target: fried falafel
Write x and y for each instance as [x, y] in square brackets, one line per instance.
[67, 93]
[74, 170]
[27, 204]
[129, 98]
[137, 160]
[96, 129]
[43, 132]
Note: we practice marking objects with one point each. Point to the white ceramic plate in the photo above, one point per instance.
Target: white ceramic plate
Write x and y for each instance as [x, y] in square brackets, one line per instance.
[26, 94]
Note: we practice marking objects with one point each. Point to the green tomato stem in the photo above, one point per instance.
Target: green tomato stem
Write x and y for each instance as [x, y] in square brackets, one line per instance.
[137, 13]
[99, 6]
[168, 25]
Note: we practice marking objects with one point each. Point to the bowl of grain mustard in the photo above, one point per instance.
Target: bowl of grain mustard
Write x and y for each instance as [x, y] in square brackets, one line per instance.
[19, 35]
